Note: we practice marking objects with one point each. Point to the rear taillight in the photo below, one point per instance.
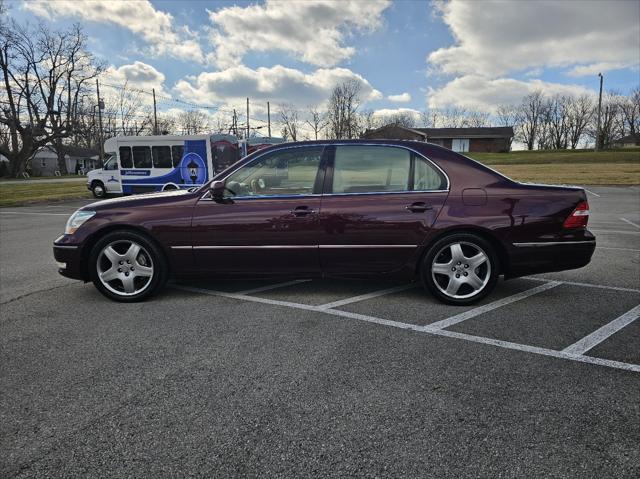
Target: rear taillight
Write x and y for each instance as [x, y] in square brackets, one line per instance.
[579, 217]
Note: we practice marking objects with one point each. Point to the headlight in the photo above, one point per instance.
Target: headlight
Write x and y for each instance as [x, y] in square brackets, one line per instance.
[76, 220]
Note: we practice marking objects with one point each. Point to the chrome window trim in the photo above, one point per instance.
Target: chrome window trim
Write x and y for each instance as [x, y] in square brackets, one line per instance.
[538, 244]
[322, 246]
[205, 196]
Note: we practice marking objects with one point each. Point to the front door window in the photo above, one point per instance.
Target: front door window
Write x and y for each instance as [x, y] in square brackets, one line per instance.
[288, 172]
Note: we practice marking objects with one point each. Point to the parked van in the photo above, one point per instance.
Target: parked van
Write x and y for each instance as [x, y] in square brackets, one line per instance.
[142, 164]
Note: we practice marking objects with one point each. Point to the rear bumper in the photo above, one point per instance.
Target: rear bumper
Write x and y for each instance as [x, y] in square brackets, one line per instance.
[69, 258]
[548, 256]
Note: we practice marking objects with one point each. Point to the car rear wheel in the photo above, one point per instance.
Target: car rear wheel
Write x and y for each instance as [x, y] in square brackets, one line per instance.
[460, 269]
[97, 188]
[126, 266]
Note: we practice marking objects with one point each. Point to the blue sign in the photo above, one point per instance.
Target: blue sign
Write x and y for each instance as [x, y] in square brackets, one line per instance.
[193, 167]
[136, 172]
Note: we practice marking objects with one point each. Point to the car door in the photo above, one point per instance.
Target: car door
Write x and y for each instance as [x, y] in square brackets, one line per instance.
[111, 175]
[378, 206]
[268, 222]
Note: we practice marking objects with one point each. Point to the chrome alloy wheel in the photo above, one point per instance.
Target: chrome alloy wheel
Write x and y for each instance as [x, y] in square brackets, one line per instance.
[461, 270]
[125, 268]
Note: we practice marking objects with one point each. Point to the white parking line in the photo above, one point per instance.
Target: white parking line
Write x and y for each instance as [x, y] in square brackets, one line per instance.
[598, 336]
[32, 213]
[364, 297]
[617, 249]
[587, 285]
[621, 232]
[472, 313]
[589, 191]
[630, 222]
[273, 286]
[437, 332]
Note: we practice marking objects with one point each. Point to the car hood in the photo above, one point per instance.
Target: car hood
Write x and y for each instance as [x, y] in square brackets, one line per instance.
[147, 199]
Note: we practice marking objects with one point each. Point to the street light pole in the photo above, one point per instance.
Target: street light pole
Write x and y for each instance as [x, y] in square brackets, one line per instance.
[599, 113]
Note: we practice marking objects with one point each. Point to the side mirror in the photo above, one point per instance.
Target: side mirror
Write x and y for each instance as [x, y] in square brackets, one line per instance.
[217, 190]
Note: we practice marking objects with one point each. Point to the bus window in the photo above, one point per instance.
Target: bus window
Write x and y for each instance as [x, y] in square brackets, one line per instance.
[125, 157]
[177, 151]
[161, 156]
[142, 157]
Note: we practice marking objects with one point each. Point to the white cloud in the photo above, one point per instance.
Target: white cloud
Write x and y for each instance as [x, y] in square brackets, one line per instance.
[600, 67]
[155, 27]
[276, 84]
[493, 38]
[484, 94]
[137, 75]
[313, 31]
[402, 98]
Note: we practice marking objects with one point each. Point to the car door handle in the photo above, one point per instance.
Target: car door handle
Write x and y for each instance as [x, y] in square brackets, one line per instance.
[302, 211]
[419, 207]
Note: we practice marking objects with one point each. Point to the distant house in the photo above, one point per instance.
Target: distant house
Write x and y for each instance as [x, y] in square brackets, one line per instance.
[629, 141]
[482, 139]
[44, 162]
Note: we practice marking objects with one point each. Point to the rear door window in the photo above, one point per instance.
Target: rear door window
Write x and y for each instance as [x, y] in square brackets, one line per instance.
[371, 169]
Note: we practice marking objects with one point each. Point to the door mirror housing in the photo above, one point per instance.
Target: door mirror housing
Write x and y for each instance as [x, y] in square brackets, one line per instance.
[217, 190]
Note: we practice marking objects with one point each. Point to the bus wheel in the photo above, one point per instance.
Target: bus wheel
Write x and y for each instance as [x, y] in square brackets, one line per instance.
[97, 188]
[169, 187]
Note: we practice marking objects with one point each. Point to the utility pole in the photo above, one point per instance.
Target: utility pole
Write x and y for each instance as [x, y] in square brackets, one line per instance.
[100, 108]
[247, 118]
[234, 124]
[155, 113]
[599, 112]
[269, 119]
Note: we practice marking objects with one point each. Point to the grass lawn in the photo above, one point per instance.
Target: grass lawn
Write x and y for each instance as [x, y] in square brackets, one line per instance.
[17, 194]
[577, 167]
[78, 177]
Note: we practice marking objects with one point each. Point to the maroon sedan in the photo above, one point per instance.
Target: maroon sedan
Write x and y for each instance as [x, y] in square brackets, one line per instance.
[334, 208]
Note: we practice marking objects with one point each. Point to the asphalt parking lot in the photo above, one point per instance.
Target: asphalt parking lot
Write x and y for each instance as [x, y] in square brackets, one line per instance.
[323, 378]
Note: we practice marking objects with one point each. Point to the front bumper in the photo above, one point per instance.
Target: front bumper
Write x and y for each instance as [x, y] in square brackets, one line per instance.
[549, 256]
[69, 257]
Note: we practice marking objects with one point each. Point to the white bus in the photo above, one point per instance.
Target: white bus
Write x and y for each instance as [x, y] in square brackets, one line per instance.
[141, 164]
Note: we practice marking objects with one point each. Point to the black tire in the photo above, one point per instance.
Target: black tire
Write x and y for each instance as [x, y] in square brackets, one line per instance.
[488, 272]
[150, 251]
[98, 189]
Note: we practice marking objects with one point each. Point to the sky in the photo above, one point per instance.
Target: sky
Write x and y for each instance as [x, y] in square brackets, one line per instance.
[407, 55]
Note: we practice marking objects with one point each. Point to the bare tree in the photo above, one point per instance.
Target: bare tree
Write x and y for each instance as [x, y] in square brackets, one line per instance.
[342, 114]
[476, 119]
[580, 112]
[317, 120]
[530, 113]
[192, 122]
[289, 117]
[630, 112]
[45, 74]
[557, 120]
[401, 118]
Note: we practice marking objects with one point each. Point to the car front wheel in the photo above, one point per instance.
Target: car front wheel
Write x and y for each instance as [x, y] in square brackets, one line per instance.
[98, 190]
[126, 266]
[460, 269]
